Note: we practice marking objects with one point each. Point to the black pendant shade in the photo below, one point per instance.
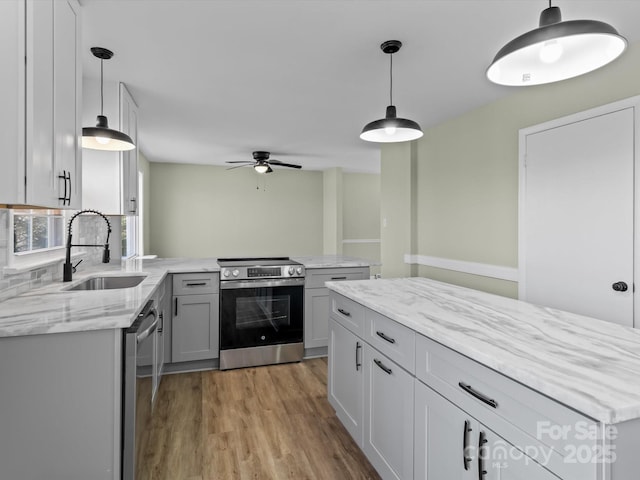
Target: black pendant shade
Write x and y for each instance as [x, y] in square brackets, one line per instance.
[391, 129]
[101, 137]
[556, 51]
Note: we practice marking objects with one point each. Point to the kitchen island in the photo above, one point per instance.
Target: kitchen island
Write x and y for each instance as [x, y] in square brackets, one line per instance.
[535, 378]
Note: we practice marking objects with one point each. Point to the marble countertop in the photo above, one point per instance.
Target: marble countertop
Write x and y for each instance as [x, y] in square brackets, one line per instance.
[333, 261]
[590, 365]
[53, 309]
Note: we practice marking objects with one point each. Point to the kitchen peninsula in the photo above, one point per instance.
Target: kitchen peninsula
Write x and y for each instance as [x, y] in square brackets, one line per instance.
[490, 384]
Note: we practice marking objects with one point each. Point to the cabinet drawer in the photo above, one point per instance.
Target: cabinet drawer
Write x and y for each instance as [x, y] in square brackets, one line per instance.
[391, 338]
[347, 313]
[195, 283]
[315, 278]
[556, 436]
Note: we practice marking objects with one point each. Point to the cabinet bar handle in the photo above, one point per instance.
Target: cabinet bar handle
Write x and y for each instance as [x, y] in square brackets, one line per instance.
[384, 337]
[387, 370]
[134, 205]
[465, 459]
[64, 177]
[358, 364]
[199, 284]
[344, 312]
[69, 199]
[478, 395]
[338, 278]
[481, 448]
[175, 303]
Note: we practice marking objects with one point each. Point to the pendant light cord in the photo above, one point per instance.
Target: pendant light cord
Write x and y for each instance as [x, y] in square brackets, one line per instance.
[391, 79]
[101, 87]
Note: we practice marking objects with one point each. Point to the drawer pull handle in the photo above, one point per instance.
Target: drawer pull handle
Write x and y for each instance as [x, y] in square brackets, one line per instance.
[465, 459]
[478, 395]
[175, 303]
[338, 278]
[358, 364]
[344, 312]
[384, 337]
[386, 369]
[481, 453]
[199, 284]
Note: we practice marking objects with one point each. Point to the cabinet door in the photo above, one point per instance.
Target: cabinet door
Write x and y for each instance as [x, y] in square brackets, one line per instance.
[316, 317]
[502, 461]
[345, 378]
[444, 438]
[12, 53]
[129, 158]
[388, 420]
[67, 90]
[194, 329]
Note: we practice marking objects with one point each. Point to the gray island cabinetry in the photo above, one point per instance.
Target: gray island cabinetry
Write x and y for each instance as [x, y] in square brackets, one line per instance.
[435, 381]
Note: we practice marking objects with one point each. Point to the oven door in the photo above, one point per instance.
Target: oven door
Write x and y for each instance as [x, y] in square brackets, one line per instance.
[261, 312]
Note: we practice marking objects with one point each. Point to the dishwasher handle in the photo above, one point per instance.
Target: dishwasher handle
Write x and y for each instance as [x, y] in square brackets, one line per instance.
[142, 336]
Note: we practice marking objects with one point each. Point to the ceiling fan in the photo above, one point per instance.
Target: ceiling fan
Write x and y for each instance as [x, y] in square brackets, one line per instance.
[261, 163]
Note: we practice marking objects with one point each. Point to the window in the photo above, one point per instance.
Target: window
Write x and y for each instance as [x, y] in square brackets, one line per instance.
[37, 230]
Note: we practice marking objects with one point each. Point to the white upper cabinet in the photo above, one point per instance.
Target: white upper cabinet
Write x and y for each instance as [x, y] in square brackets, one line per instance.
[41, 82]
[110, 179]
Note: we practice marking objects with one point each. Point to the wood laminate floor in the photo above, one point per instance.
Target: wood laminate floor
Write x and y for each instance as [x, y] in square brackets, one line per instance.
[269, 422]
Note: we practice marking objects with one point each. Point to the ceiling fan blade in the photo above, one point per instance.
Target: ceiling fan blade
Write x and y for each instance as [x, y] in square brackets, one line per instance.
[240, 161]
[238, 166]
[282, 164]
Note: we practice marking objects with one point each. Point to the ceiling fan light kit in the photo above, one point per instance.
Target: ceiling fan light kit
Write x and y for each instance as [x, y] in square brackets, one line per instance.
[391, 128]
[101, 137]
[556, 51]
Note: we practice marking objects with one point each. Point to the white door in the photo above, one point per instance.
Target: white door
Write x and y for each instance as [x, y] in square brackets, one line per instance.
[577, 216]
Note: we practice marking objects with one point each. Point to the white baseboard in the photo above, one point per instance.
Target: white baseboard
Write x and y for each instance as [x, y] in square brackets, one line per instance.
[482, 269]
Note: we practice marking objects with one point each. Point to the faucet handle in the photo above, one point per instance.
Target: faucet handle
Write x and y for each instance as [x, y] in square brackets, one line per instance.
[74, 267]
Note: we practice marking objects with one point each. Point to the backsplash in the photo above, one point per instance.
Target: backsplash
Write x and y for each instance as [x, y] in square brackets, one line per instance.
[87, 229]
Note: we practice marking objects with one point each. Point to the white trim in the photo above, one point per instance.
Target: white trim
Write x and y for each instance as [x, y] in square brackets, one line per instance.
[362, 240]
[632, 102]
[473, 268]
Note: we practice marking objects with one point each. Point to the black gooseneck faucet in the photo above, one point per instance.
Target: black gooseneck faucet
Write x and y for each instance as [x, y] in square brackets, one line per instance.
[68, 267]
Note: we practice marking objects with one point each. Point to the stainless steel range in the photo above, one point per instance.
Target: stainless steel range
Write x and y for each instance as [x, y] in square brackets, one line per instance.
[261, 311]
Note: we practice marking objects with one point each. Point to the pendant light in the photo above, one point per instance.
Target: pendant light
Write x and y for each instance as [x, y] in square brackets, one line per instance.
[101, 137]
[556, 51]
[391, 128]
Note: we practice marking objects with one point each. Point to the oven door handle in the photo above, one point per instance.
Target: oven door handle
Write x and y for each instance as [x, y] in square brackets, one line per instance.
[273, 282]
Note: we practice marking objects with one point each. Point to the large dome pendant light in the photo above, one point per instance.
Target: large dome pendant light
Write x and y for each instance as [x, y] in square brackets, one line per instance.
[556, 51]
[391, 128]
[101, 137]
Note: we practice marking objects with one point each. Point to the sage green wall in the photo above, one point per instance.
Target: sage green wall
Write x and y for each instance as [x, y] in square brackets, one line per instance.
[361, 216]
[145, 169]
[207, 211]
[467, 173]
[332, 214]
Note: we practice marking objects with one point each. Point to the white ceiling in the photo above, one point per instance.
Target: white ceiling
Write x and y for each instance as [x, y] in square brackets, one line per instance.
[217, 79]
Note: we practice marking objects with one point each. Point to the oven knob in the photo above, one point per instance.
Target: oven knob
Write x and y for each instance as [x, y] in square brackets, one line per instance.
[299, 270]
[292, 270]
[236, 272]
[226, 273]
[263, 337]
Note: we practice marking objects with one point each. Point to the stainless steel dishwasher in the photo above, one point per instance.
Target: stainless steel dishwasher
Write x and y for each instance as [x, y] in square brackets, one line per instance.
[140, 378]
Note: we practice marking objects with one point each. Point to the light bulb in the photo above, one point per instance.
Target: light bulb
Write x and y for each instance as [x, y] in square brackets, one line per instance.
[261, 168]
[390, 130]
[551, 51]
[103, 140]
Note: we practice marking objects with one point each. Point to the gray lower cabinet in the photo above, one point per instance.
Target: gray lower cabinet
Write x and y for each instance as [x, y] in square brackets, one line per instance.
[388, 423]
[316, 301]
[195, 320]
[451, 444]
[345, 378]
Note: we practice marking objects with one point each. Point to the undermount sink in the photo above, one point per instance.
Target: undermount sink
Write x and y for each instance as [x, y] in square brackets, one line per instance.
[109, 283]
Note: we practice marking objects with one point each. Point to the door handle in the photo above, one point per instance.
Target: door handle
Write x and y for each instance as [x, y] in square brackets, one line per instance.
[358, 364]
[481, 448]
[465, 458]
[620, 287]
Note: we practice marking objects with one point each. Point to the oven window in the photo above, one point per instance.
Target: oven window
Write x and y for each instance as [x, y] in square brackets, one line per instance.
[263, 311]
